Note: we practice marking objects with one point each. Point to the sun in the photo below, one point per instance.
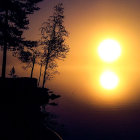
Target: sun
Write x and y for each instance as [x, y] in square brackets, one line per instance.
[109, 80]
[109, 50]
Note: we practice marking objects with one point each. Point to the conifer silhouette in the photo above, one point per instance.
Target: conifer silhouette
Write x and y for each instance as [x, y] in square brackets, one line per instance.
[13, 21]
[53, 39]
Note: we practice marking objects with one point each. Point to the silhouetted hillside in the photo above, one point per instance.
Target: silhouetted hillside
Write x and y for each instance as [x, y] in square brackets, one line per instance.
[20, 110]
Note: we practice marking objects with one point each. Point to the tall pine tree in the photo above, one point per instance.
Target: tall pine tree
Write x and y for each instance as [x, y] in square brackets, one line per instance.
[53, 39]
[13, 21]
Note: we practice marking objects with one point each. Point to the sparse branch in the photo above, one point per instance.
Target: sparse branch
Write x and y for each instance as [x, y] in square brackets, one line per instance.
[53, 40]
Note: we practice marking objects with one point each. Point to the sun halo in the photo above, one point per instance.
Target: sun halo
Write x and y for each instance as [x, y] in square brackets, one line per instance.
[109, 50]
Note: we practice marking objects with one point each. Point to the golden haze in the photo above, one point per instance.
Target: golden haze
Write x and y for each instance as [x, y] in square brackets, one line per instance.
[81, 70]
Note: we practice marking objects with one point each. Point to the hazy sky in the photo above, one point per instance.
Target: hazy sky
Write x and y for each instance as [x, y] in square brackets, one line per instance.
[89, 22]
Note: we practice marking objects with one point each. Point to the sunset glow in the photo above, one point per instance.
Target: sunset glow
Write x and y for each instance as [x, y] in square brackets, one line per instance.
[109, 50]
[70, 69]
[109, 80]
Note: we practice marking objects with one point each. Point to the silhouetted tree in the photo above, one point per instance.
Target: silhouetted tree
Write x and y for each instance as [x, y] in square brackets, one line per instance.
[13, 21]
[30, 57]
[12, 72]
[35, 54]
[40, 73]
[33, 60]
[51, 71]
[53, 39]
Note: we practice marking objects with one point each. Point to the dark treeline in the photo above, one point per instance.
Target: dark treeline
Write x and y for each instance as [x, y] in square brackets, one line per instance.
[44, 52]
[13, 21]
[21, 113]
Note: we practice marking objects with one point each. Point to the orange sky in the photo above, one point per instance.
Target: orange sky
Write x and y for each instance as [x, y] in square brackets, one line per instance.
[89, 22]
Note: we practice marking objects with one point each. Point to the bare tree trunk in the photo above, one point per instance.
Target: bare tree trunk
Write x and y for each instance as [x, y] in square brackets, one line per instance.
[40, 75]
[4, 60]
[33, 67]
[44, 77]
[5, 47]
[53, 35]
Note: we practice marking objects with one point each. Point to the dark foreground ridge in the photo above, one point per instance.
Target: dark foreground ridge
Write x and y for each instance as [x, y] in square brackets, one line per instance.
[20, 115]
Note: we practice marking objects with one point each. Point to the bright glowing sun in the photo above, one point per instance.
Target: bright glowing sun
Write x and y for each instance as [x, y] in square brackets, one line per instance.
[109, 50]
[109, 80]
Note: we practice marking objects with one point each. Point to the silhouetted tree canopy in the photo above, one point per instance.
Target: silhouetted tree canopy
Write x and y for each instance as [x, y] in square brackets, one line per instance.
[53, 39]
[30, 56]
[13, 21]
